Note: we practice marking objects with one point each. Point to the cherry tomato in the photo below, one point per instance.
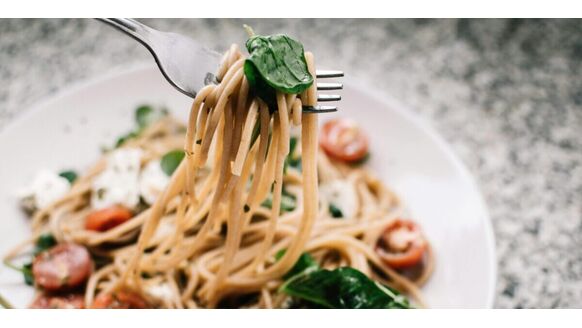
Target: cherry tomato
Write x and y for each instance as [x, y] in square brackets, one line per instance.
[402, 244]
[62, 267]
[67, 301]
[107, 218]
[343, 139]
[120, 300]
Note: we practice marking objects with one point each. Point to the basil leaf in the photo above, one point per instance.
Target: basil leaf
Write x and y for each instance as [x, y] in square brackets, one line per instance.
[171, 160]
[70, 175]
[305, 263]
[343, 288]
[27, 273]
[44, 242]
[146, 115]
[121, 140]
[276, 63]
[335, 211]
[288, 202]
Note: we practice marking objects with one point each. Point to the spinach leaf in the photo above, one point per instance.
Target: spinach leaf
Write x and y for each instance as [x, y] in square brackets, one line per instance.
[276, 63]
[335, 211]
[343, 288]
[292, 160]
[70, 175]
[305, 263]
[27, 273]
[121, 140]
[146, 115]
[171, 160]
[44, 242]
[288, 202]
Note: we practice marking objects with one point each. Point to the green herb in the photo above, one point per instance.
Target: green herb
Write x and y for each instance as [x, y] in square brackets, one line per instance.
[305, 263]
[276, 63]
[44, 242]
[288, 202]
[335, 211]
[121, 140]
[292, 160]
[27, 273]
[292, 145]
[70, 175]
[343, 288]
[146, 115]
[171, 160]
[256, 132]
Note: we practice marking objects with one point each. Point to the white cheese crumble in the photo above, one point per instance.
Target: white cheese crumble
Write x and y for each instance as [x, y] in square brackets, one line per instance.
[342, 195]
[164, 229]
[159, 291]
[152, 182]
[46, 188]
[118, 183]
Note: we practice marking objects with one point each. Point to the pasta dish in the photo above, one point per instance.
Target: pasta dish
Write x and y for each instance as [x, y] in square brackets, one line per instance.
[248, 204]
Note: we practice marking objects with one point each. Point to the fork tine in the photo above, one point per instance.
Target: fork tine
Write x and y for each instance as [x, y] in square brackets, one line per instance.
[319, 109]
[324, 74]
[324, 97]
[329, 86]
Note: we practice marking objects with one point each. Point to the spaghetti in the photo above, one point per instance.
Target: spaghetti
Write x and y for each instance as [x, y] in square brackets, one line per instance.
[208, 240]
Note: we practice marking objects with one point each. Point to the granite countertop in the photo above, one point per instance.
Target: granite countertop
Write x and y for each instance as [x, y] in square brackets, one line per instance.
[506, 94]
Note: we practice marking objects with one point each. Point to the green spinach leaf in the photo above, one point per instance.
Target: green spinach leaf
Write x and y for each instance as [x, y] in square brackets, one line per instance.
[288, 202]
[44, 242]
[171, 160]
[27, 273]
[343, 288]
[70, 175]
[276, 63]
[146, 115]
[335, 212]
[305, 263]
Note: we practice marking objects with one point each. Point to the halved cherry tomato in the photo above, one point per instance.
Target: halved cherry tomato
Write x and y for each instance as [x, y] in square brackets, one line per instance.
[107, 218]
[120, 300]
[343, 139]
[402, 244]
[67, 301]
[62, 267]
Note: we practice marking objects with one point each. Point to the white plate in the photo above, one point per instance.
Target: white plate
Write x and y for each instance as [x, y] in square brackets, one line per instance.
[68, 130]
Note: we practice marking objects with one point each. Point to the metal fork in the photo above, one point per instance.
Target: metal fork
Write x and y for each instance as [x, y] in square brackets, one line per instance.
[189, 66]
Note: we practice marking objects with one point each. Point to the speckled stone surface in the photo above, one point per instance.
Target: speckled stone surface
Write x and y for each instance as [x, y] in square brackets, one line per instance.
[506, 94]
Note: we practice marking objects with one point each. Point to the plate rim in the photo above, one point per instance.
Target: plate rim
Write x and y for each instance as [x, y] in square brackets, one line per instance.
[354, 82]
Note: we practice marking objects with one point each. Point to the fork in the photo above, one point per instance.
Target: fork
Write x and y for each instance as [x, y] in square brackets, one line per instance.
[189, 66]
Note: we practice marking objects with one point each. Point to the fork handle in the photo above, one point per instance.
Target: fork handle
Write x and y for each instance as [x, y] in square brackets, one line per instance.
[131, 27]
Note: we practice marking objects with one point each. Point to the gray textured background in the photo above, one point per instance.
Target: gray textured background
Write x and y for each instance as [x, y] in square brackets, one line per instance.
[507, 94]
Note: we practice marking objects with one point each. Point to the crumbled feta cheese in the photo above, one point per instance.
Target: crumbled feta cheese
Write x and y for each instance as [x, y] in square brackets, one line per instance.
[118, 184]
[46, 188]
[152, 182]
[160, 291]
[164, 229]
[342, 195]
